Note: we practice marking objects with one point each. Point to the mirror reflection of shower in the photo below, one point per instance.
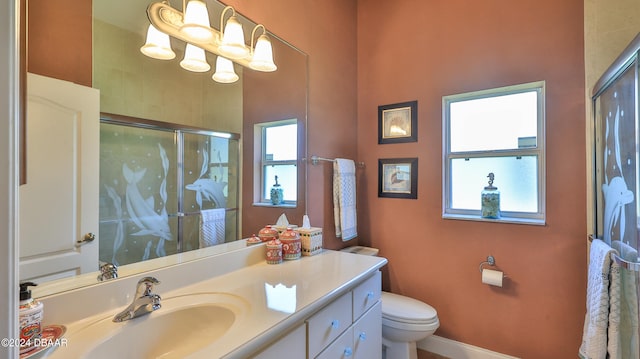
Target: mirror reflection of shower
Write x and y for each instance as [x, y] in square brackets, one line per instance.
[165, 189]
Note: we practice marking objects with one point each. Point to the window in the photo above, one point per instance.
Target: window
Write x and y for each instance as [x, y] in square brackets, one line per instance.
[279, 154]
[498, 131]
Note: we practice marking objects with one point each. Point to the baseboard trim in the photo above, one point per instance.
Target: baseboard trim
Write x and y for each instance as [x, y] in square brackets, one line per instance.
[453, 349]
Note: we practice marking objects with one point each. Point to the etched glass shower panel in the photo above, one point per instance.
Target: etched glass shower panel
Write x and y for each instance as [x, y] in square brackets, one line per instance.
[210, 190]
[616, 160]
[137, 194]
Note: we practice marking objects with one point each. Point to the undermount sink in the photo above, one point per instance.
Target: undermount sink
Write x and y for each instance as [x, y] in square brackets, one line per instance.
[184, 325]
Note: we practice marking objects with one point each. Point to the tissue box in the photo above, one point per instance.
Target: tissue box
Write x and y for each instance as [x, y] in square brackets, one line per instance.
[311, 239]
[281, 229]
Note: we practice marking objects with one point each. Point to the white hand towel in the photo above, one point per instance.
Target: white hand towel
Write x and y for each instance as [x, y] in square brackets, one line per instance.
[212, 227]
[344, 198]
[594, 336]
[623, 316]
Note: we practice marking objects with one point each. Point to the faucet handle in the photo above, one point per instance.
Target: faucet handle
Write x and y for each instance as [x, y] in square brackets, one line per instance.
[145, 286]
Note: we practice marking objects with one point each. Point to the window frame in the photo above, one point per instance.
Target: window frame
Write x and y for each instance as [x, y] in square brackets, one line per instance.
[261, 131]
[535, 218]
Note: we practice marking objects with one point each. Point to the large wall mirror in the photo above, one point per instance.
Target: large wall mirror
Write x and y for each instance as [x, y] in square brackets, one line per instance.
[150, 113]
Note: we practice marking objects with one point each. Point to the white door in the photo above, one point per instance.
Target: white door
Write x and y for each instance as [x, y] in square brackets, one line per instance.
[59, 202]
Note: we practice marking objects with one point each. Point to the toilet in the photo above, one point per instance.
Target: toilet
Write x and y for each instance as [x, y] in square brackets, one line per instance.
[405, 320]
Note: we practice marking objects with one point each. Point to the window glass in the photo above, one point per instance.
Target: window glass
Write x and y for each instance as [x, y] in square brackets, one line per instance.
[518, 185]
[281, 142]
[287, 179]
[494, 123]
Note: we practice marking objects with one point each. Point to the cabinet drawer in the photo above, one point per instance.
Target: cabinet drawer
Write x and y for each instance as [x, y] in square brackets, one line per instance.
[367, 334]
[329, 323]
[342, 348]
[366, 295]
[292, 345]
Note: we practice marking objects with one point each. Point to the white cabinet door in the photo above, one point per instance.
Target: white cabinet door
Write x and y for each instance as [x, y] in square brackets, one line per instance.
[59, 202]
[367, 334]
[292, 345]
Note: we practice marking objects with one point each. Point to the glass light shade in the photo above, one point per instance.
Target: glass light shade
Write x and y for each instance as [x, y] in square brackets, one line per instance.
[194, 59]
[232, 45]
[225, 73]
[196, 22]
[263, 55]
[157, 45]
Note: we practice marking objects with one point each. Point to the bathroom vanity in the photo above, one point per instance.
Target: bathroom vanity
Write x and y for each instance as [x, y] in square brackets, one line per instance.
[233, 305]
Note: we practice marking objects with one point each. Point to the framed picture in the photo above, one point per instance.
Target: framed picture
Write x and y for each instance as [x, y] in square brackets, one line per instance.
[398, 122]
[398, 178]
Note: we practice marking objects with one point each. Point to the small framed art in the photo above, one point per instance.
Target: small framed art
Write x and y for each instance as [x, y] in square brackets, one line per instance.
[398, 178]
[398, 122]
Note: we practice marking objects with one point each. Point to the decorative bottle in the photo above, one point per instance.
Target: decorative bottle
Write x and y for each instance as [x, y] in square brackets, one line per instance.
[31, 314]
[277, 195]
[490, 206]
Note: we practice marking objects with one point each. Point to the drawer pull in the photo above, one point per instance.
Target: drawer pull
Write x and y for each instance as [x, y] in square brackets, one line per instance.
[363, 336]
[370, 295]
[335, 324]
[348, 352]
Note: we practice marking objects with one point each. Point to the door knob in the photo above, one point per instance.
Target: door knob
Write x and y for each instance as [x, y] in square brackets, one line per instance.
[89, 237]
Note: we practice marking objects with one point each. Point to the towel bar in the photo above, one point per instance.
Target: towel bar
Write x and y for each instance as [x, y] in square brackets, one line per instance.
[315, 159]
[632, 266]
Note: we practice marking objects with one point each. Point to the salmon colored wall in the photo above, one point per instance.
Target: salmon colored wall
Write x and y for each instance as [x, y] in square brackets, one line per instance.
[326, 31]
[59, 39]
[424, 50]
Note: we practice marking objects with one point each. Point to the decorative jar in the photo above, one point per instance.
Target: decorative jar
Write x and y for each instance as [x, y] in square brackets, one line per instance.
[291, 245]
[268, 233]
[277, 193]
[274, 252]
[490, 204]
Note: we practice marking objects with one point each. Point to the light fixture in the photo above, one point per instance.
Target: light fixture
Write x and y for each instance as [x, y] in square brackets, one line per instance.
[196, 22]
[225, 73]
[262, 53]
[232, 43]
[158, 45]
[194, 59]
[193, 27]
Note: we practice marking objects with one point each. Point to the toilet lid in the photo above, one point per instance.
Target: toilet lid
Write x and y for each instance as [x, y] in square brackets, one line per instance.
[404, 309]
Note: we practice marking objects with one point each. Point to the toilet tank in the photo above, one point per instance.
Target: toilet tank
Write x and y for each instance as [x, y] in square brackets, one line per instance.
[367, 251]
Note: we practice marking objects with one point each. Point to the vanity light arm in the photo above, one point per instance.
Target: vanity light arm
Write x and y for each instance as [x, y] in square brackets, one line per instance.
[253, 33]
[233, 13]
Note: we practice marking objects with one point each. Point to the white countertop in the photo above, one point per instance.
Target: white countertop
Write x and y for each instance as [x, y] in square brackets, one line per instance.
[278, 297]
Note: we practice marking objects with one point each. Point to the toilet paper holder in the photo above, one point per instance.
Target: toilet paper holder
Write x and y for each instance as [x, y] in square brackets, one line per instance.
[490, 261]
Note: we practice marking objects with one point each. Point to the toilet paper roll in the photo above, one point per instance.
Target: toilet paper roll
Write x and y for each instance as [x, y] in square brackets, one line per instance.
[492, 277]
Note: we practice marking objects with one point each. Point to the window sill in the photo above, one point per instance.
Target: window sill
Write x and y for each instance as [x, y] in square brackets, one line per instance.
[283, 205]
[512, 220]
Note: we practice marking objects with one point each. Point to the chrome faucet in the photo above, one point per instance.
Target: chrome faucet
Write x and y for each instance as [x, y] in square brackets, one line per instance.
[107, 271]
[143, 303]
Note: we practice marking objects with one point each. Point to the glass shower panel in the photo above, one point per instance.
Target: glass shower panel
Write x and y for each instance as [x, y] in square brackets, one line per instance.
[616, 160]
[138, 204]
[210, 189]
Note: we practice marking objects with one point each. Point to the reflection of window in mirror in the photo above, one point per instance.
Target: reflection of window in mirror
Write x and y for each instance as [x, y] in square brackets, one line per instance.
[498, 131]
[278, 175]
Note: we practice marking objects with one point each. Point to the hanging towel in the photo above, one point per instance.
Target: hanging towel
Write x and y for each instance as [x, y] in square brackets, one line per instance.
[212, 223]
[594, 336]
[623, 316]
[344, 198]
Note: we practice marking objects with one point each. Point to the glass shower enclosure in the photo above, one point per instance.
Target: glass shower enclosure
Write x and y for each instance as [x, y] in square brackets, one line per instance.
[164, 189]
[617, 184]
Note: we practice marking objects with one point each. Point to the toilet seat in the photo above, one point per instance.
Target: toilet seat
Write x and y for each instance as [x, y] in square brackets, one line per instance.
[398, 310]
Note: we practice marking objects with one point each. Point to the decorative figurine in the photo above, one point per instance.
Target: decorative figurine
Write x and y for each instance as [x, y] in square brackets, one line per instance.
[490, 200]
[277, 195]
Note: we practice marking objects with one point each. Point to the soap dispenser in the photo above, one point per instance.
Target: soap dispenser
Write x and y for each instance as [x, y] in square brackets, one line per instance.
[490, 200]
[277, 193]
[30, 314]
